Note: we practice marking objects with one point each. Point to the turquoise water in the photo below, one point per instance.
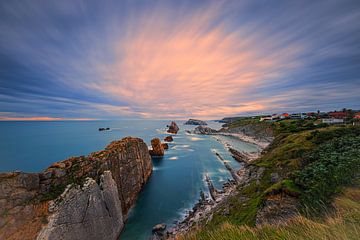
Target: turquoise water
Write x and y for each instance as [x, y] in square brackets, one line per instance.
[174, 185]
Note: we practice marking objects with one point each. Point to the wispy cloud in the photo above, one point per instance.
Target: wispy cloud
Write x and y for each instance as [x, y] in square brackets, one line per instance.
[176, 59]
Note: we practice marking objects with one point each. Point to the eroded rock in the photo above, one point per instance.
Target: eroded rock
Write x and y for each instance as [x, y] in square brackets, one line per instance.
[173, 128]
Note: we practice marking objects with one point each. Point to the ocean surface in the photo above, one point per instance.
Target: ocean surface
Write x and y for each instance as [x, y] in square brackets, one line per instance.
[177, 179]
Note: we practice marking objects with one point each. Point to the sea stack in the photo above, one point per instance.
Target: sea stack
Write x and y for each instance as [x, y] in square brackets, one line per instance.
[168, 139]
[173, 128]
[157, 148]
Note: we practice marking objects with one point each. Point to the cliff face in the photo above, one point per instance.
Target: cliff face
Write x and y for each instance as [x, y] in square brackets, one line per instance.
[92, 211]
[81, 192]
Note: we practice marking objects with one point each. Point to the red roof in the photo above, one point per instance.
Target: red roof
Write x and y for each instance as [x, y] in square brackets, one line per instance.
[338, 114]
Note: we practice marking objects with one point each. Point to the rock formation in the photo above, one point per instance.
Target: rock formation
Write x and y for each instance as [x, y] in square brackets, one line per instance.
[195, 122]
[165, 146]
[78, 198]
[168, 139]
[92, 211]
[203, 130]
[157, 148]
[173, 128]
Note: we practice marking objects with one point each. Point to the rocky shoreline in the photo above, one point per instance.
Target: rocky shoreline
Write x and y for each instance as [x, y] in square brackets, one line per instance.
[203, 210]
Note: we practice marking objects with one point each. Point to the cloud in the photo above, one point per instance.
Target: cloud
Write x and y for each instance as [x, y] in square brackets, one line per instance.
[176, 59]
[191, 66]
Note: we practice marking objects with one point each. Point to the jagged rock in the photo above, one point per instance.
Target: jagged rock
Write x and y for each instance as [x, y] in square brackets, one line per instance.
[91, 212]
[277, 209]
[157, 149]
[173, 128]
[165, 146]
[195, 122]
[203, 130]
[168, 139]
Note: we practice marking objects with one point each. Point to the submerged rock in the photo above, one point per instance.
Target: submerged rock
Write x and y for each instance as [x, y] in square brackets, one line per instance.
[168, 139]
[173, 128]
[157, 148]
[195, 122]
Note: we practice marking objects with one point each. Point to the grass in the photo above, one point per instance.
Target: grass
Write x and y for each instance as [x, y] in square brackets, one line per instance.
[343, 223]
[294, 154]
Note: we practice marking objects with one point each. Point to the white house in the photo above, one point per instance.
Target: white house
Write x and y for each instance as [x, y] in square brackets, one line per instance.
[332, 120]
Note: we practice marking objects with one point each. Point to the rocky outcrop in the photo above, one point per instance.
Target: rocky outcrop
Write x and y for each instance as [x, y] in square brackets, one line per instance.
[120, 170]
[165, 146]
[92, 211]
[173, 128]
[195, 122]
[203, 130]
[168, 139]
[157, 148]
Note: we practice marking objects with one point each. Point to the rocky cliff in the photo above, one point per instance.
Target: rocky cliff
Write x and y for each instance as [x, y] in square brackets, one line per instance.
[195, 122]
[78, 198]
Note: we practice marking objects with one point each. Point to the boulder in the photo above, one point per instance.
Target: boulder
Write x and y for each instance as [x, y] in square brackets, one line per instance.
[195, 122]
[159, 227]
[168, 139]
[157, 149]
[165, 146]
[173, 128]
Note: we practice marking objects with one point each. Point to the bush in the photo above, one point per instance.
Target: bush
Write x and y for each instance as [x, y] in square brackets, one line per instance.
[331, 165]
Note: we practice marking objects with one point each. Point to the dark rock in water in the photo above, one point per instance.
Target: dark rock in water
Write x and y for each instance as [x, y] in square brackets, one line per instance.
[104, 129]
[157, 149]
[159, 228]
[195, 122]
[165, 145]
[203, 130]
[173, 128]
[168, 139]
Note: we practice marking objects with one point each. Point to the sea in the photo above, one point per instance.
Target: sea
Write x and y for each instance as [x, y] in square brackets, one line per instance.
[177, 179]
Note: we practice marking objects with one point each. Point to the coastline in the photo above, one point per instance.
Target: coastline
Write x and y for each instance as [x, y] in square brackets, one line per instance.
[205, 207]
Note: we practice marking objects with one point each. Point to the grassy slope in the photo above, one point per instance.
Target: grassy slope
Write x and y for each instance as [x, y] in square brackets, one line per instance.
[287, 156]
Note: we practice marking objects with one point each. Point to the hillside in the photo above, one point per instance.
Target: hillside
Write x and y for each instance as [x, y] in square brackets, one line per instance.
[304, 186]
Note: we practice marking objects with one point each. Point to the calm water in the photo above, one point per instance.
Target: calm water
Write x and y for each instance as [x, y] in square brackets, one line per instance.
[174, 185]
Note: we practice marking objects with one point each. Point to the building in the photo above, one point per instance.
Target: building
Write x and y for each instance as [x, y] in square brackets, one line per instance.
[338, 115]
[265, 118]
[333, 120]
[357, 116]
[298, 116]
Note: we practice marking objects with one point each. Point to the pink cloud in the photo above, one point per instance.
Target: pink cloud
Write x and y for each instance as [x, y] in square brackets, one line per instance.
[190, 67]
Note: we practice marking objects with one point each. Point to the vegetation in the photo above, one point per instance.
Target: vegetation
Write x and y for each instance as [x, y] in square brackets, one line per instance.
[341, 224]
[315, 162]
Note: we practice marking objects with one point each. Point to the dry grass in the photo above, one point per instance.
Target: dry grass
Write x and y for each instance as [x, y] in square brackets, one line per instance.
[343, 223]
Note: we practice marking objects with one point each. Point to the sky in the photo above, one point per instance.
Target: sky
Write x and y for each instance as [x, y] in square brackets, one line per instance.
[176, 59]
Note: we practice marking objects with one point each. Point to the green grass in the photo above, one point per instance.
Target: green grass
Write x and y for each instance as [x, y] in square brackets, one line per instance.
[313, 163]
[340, 224]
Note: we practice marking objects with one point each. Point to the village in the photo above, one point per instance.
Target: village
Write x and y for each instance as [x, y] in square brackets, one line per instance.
[345, 116]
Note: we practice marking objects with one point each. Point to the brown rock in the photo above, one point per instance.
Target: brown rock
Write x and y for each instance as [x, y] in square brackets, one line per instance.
[168, 139]
[157, 148]
[21, 194]
[173, 128]
[165, 146]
